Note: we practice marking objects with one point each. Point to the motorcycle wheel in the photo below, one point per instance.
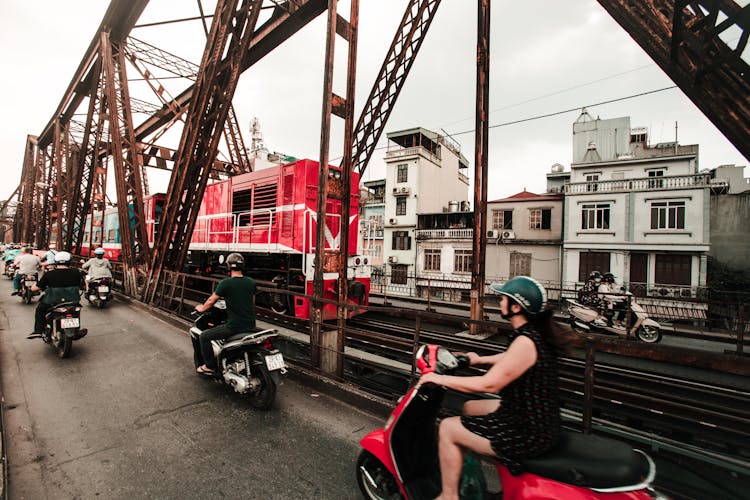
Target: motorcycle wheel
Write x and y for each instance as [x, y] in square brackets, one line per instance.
[26, 296]
[63, 345]
[648, 334]
[375, 481]
[263, 398]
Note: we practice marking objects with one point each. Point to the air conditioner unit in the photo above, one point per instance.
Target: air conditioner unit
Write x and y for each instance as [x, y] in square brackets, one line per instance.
[393, 259]
[395, 190]
[405, 190]
[392, 222]
[508, 235]
[493, 234]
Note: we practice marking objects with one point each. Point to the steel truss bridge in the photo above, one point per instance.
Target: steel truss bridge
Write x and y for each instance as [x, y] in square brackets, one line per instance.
[92, 134]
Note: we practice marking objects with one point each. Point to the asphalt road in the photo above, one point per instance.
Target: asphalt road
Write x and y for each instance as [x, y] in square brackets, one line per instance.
[126, 417]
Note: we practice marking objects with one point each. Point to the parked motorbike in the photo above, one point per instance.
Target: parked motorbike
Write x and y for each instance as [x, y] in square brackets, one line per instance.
[63, 326]
[247, 361]
[26, 283]
[588, 318]
[99, 291]
[400, 460]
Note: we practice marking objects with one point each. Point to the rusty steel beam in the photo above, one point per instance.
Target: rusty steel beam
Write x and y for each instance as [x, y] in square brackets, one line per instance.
[25, 230]
[140, 53]
[159, 157]
[231, 33]
[398, 61]
[119, 19]
[682, 37]
[343, 108]
[87, 162]
[279, 28]
[481, 140]
[128, 181]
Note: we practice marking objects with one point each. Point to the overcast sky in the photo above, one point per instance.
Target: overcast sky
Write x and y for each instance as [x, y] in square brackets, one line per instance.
[546, 56]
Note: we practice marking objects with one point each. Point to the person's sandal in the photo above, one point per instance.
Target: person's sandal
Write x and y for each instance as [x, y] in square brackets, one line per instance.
[202, 370]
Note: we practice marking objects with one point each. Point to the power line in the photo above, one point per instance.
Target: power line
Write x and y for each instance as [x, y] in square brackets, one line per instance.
[548, 115]
[577, 108]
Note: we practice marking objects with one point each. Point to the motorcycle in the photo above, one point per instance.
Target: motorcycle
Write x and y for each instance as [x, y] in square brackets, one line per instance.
[247, 361]
[63, 326]
[99, 291]
[400, 460]
[588, 318]
[27, 282]
[10, 269]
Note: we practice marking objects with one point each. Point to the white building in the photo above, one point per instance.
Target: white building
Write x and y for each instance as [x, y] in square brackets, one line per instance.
[524, 237]
[425, 173]
[638, 211]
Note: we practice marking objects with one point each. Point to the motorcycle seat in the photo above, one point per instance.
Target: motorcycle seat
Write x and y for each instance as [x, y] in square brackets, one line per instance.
[591, 461]
[249, 333]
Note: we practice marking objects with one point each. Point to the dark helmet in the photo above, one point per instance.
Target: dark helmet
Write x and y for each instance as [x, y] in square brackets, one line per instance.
[235, 261]
[526, 292]
[595, 275]
[608, 277]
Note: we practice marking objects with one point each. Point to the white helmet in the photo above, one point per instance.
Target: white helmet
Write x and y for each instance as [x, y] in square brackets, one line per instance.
[62, 257]
[99, 251]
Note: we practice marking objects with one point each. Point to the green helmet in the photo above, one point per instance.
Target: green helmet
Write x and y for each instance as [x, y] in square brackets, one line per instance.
[526, 292]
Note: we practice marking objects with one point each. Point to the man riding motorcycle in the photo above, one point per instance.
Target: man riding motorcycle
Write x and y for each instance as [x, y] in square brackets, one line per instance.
[239, 293]
[62, 284]
[27, 263]
[97, 267]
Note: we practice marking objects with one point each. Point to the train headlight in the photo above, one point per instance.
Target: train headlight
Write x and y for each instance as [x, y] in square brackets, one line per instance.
[365, 261]
[357, 261]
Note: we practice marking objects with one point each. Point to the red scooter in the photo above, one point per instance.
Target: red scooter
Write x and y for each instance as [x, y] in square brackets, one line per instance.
[400, 460]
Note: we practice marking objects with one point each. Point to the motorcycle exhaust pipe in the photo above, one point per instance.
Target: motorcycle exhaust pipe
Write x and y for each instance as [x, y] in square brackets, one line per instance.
[239, 384]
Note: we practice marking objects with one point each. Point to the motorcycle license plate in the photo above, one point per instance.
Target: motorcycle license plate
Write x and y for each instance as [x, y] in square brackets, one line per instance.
[103, 289]
[70, 323]
[275, 362]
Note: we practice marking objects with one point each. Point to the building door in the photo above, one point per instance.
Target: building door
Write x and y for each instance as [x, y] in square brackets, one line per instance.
[638, 273]
[592, 261]
[673, 269]
[520, 264]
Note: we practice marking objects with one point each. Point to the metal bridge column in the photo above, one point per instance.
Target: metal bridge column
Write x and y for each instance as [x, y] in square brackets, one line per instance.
[331, 260]
[128, 182]
[232, 29]
[480, 163]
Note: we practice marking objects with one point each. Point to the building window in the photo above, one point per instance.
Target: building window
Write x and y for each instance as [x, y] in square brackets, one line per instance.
[402, 172]
[111, 236]
[520, 264]
[462, 261]
[432, 259]
[592, 261]
[673, 269]
[399, 274]
[401, 240]
[656, 183]
[591, 179]
[668, 215]
[401, 206]
[595, 216]
[502, 219]
[540, 218]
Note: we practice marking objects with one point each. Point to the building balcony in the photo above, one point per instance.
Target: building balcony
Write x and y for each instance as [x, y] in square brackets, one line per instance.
[445, 234]
[641, 184]
[396, 154]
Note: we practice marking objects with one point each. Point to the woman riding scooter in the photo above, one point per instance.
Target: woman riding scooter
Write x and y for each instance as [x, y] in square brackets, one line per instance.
[527, 423]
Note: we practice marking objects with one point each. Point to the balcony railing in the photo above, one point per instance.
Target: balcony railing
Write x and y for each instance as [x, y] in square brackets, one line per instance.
[640, 184]
[445, 234]
[418, 150]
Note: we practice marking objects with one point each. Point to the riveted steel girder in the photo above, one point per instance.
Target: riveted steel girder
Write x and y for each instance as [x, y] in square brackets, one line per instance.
[685, 39]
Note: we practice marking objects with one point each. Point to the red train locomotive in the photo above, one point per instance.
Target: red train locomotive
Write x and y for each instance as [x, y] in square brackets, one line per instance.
[270, 217]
